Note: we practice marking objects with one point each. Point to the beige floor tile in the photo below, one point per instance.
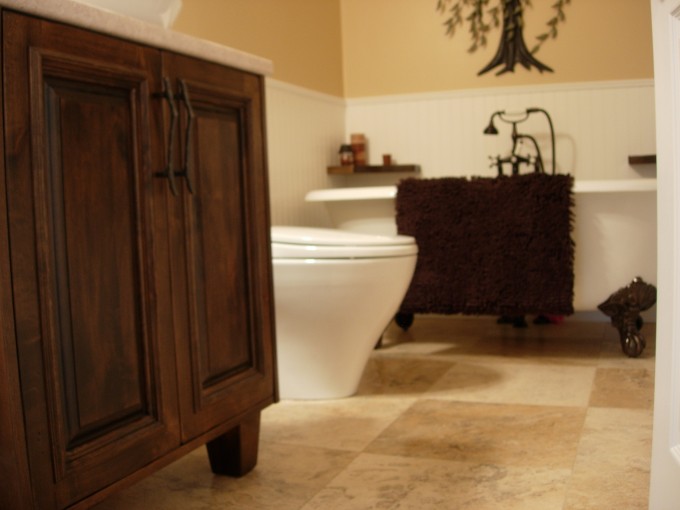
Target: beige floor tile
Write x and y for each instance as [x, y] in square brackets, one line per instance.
[419, 349]
[285, 478]
[441, 328]
[612, 464]
[570, 328]
[623, 387]
[387, 482]
[508, 435]
[393, 375]
[455, 413]
[566, 343]
[534, 349]
[343, 424]
[516, 383]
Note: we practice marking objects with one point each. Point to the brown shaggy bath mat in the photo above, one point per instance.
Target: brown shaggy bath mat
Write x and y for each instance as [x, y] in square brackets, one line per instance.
[499, 246]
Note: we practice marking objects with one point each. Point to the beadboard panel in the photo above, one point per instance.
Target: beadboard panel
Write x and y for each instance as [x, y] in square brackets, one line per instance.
[597, 126]
[304, 131]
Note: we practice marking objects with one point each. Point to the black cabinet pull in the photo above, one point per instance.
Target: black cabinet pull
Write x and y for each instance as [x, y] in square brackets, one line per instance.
[186, 171]
[169, 172]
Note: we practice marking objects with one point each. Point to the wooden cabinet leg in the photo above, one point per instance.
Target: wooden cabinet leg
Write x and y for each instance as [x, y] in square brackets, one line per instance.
[234, 453]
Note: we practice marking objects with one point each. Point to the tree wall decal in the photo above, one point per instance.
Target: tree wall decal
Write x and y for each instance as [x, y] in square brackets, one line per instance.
[482, 16]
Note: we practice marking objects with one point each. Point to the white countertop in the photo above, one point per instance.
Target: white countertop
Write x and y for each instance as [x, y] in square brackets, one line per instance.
[126, 27]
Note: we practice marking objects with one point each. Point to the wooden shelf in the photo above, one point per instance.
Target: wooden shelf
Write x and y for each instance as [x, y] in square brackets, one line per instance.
[647, 159]
[372, 169]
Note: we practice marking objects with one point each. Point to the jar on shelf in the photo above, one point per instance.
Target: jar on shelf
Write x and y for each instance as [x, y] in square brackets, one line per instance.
[346, 155]
[358, 141]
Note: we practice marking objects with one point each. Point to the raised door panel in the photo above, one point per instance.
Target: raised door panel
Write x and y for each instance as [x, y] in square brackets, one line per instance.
[223, 290]
[89, 257]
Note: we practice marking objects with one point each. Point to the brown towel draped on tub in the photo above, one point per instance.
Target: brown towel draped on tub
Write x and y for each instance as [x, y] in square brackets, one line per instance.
[499, 246]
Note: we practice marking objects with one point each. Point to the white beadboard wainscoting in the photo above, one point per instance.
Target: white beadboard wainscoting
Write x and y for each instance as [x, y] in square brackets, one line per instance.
[597, 126]
[304, 132]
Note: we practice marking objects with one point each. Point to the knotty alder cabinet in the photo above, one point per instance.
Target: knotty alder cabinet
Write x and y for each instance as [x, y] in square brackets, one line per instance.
[136, 293]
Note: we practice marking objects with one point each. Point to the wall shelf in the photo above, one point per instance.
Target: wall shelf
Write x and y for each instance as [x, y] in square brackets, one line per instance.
[646, 159]
[372, 169]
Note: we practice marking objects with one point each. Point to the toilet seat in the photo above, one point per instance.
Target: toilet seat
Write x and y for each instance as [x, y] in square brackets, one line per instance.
[322, 243]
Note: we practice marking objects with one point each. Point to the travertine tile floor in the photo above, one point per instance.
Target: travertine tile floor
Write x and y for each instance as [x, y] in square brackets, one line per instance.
[456, 413]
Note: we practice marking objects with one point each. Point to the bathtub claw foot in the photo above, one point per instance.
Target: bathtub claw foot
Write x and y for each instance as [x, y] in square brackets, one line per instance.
[624, 307]
[633, 345]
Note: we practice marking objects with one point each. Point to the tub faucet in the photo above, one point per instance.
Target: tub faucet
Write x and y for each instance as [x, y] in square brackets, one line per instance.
[515, 158]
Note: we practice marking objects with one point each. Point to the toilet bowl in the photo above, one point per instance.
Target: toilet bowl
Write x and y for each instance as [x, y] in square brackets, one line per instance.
[335, 292]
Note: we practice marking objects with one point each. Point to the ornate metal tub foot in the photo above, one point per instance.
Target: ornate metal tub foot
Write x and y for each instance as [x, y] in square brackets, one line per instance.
[624, 307]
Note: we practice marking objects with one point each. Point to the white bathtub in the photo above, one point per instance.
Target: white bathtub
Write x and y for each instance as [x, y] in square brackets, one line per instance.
[369, 209]
[614, 230]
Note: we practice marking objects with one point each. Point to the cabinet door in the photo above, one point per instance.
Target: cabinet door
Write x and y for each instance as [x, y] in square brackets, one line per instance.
[223, 272]
[90, 277]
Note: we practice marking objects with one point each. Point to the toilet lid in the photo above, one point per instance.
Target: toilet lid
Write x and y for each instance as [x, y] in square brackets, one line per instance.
[313, 243]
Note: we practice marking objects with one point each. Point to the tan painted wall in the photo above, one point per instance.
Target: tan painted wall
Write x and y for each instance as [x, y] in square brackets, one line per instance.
[301, 37]
[400, 46]
[356, 48]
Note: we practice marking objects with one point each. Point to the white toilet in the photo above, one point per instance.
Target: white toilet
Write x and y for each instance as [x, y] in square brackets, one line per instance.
[335, 292]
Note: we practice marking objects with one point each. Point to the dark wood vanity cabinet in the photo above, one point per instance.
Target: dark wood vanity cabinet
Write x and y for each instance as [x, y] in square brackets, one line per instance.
[136, 294]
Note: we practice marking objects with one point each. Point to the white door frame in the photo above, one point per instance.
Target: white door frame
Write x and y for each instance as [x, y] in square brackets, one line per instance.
[665, 468]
